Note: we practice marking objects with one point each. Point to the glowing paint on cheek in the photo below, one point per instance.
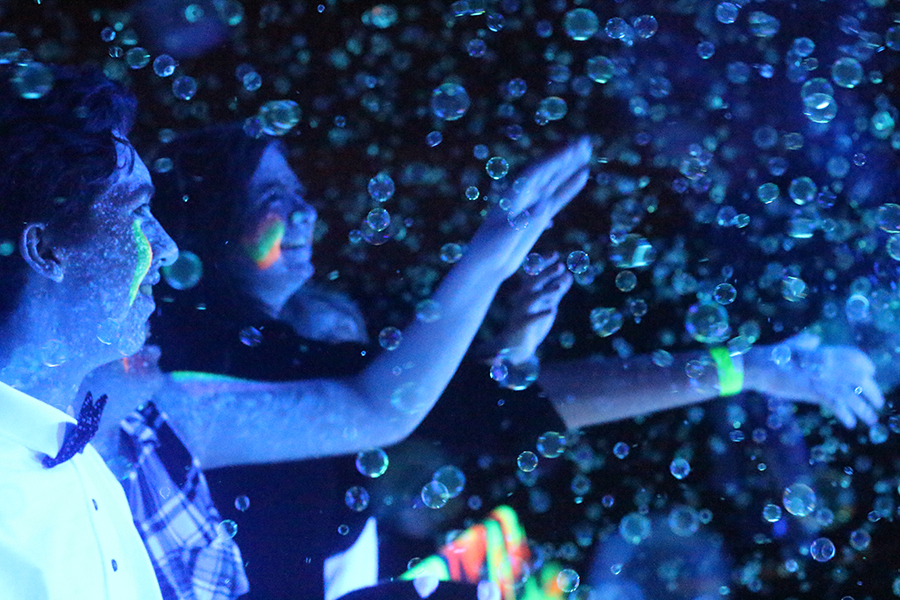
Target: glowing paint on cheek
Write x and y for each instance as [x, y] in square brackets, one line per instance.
[144, 260]
[264, 247]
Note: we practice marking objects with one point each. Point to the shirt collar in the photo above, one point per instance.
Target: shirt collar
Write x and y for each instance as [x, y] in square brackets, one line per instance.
[31, 422]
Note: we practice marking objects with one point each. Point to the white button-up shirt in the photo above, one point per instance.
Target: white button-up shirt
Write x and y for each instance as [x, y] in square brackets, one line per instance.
[66, 532]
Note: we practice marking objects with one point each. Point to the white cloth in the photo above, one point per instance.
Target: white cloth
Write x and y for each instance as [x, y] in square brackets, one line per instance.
[66, 532]
[354, 568]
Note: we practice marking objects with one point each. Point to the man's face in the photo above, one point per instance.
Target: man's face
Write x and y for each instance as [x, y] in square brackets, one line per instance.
[112, 259]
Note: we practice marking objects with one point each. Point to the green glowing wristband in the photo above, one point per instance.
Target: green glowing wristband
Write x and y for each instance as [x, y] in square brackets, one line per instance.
[731, 378]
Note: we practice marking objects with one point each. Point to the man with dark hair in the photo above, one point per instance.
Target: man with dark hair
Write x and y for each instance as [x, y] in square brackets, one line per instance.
[74, 199]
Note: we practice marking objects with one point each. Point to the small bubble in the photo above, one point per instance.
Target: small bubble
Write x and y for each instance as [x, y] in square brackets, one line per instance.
[453, 479]
[242, 503]
[184, 87]
[606, 321]
[888, 218]
[32, 80]
[634, 528]
[822, 549]
[551, 108]
[381, 187]
[620, 450]
[372, 463]
[581, 24]
[343, 529]
[185, 272]
[434, 138]
[802, 190]
[600, 69]
[707, 322]
[227, 528]
[679, 468]
[819, 108]
[356, 498]
[645, 26]
[763, 25]
[277, 117]
[846, 72]
[428, 311]
[860, 540]
[449, 101]
[378, 219]
[497, 168]
[727, 12]
[137, 58]
[435, 494]
[706, 50]
[527, 461]
[568, 580]
[578, 262]
[626, 281]
[799, 500]
[684, 521]
[551, 444]
[250, 336]
[771, 513]
[54, 353]
[389, 338]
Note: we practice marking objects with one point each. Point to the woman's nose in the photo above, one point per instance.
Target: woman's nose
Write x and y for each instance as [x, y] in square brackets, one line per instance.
[303, 214]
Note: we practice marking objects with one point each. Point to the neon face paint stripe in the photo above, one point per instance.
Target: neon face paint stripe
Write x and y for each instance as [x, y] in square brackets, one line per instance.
[265, 247]
[144, 260]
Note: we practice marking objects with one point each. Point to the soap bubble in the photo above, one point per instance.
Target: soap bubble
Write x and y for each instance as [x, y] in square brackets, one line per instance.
[799, 499]
[551, 108]
[684, 521]
[846, 72]
[707, 322]
[164, 65]
[727, 12]
[767, 192]
[578, 262]
[242, 503]
[357, 498]
[802, 190]
[680, 468]
[706, 50]
[380, 16]
[449, 101]
[888, 217]
[820, 108]
[634, 528]
[372, 463]
[724, 294]
[184, 87]
[428, 311]
[645, 26]
[451, 253]
[860, 540]
[580, 24]
[534, 264]
[600, 69]
[857, 308]
[54, 353]
[381, 187]
[389, 338]
[32, 80]
[606, 321]
[771, 513]
[378, 219]
[763, 25]
[626, 281]
[185, 272]
[551, 444]
[137, 58]
[497, 167]
[435, 494]
[278, 117]
[822, 549]
[631, 252]
[527, 461]
[453, 479]
[434, 138]
[620, 450]
[227, 528]
[568, 580]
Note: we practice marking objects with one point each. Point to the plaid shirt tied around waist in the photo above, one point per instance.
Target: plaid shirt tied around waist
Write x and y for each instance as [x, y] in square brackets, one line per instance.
[194, 557]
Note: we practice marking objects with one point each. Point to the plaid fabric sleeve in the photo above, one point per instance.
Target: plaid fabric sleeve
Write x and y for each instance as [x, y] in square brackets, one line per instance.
[194, 557]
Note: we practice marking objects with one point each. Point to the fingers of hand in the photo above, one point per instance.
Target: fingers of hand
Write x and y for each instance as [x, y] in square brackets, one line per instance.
[872, 393]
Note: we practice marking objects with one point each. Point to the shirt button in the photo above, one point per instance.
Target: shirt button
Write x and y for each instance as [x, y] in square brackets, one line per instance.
[115, 565]
[95, 504]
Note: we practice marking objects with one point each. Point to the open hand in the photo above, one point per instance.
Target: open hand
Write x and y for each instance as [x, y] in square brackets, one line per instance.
[841, 378]
[534, 307]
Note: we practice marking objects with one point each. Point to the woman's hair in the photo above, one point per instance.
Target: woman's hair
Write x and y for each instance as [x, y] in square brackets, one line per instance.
[57, 153]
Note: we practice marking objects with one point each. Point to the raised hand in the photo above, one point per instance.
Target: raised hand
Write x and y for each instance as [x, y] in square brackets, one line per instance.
[533, 310]
[509, 232]
[841, 378]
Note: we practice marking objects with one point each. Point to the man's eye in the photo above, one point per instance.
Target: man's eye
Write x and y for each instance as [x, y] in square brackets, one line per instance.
[143, 210]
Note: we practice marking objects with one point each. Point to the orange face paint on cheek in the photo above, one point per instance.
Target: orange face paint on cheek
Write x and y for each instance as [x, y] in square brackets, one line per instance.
[264, 246]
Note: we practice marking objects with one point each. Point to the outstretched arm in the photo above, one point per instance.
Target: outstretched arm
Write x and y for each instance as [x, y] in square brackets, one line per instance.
[227, 421]
[600, 390]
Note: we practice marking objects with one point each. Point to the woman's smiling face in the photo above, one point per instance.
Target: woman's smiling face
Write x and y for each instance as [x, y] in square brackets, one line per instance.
[275, 231]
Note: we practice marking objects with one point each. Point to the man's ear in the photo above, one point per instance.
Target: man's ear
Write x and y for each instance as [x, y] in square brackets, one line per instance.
[34, 248]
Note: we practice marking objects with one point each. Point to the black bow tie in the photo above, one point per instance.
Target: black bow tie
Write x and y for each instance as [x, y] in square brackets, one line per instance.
[78, 436]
